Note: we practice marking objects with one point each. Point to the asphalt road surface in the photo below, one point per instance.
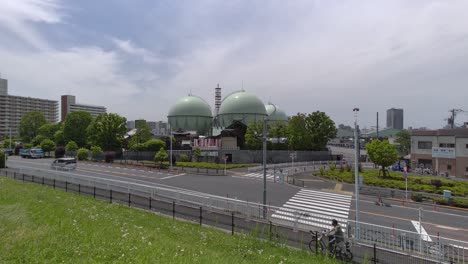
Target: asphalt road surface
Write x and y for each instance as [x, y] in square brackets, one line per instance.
[446, 222]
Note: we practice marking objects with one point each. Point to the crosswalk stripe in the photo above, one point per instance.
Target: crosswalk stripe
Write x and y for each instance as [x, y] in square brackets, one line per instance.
[344, 196]
[317, 210]
[314, 208]
[326, 204]
[319, 199]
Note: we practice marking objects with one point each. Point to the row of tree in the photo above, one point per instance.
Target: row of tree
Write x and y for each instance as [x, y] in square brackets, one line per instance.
[302, 131]
[105, 131]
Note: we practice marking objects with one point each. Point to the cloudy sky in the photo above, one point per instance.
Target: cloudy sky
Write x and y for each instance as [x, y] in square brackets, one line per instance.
[138, 57]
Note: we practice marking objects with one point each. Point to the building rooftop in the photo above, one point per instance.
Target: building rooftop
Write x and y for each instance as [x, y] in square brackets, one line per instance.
[458, 132]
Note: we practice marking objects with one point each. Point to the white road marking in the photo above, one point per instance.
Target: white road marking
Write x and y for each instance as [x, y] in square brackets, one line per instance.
[420, 229]
[168, 177]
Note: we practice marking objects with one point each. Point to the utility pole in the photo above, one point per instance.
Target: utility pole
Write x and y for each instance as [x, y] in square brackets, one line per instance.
[170, 144]
[356, 171]
[451, 119]
[377, 125]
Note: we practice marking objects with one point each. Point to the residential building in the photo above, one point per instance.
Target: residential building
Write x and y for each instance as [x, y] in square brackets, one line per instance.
[444, 151]
[395, 118]
[13, 108]
[130, 125]
[69, 105]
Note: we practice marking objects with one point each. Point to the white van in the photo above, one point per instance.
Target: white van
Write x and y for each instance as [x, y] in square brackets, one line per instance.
[67, 164]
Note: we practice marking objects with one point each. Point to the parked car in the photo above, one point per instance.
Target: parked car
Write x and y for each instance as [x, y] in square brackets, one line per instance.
[31, 153]
[66, 164]
[9, 152]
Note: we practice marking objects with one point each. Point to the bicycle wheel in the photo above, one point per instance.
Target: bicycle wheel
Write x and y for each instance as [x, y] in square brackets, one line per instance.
[312, 246]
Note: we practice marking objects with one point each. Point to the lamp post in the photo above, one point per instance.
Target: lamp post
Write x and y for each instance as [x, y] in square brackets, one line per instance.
[264, 137]
[170, 144]
[356, 170]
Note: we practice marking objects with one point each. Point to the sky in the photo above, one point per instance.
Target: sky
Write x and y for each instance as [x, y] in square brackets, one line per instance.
[137, 58]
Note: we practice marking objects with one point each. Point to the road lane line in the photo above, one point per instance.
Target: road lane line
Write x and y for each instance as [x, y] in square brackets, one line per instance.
[168, 177]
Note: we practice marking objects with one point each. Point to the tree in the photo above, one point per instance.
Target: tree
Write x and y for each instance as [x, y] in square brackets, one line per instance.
[253, 140]
[71, 146]
[310, 132]
[30, 124]
[161, 156]
[58, 138]
[83, 154]
[299, 138]
[278, 130]
[48, 130]
[154, 145]
[142, 135]
[75, 125]
[382, 153]
[2, 160]
[6, 143]
[37, 140]
[47, 145]
[403, 138]
[321, 128]
[197, 154]
[107, 131]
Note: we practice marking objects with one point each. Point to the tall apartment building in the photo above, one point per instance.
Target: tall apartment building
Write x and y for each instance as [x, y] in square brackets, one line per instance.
[443, 150]
[69, 105]
[395, 118]
[13, 108]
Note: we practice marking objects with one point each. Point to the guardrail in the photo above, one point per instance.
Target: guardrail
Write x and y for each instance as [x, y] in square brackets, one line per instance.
[405, 242]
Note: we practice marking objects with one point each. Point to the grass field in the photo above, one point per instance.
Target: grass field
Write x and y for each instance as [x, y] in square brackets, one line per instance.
[41, 225]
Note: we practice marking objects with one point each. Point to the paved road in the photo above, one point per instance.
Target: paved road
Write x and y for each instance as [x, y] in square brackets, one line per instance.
[249, 187]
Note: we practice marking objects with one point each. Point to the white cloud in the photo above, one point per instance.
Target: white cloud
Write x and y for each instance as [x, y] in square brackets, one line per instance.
[18, 15]
[130, 48]
[52, 73]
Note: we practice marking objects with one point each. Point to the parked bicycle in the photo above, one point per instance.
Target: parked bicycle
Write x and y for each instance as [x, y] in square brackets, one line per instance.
[320, 244]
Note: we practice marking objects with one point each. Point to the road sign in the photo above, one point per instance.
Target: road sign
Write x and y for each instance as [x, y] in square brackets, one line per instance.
[405, 169]
[225, 157]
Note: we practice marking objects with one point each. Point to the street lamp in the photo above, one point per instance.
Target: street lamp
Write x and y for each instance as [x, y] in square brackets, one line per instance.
[264, 166]
[356, 170]
[170, 144]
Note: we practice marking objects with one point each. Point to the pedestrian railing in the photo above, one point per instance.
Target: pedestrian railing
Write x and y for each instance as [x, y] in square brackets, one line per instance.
[137, 193]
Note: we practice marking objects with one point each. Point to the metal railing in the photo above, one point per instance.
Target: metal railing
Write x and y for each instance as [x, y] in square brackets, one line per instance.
[405, 242]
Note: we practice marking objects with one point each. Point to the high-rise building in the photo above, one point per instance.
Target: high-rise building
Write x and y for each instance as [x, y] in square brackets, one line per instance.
[395, 118]
[13, 108]
[130, 125]
[69, 105]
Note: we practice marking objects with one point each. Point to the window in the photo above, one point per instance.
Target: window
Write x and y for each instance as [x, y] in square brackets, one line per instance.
[447, 145]
[449, 167]
[466, 169]
[424, 145]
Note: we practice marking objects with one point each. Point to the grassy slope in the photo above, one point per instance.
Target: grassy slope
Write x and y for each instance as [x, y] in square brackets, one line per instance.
[42, 225]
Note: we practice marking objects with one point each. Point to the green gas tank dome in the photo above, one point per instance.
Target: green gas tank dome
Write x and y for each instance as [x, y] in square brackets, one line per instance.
[241, 106]
[275, 113]
[191, 113]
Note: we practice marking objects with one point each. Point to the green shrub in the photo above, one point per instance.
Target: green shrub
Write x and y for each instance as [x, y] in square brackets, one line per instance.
[28, 146]
[341, 168]
[96, 151]
[183, 158]
[332, 166]
[417, 197]
[161, 155]
[349, 168]
[71, 146]
[154, 145]
[322, 171]
[83, 154]
[436, 183]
